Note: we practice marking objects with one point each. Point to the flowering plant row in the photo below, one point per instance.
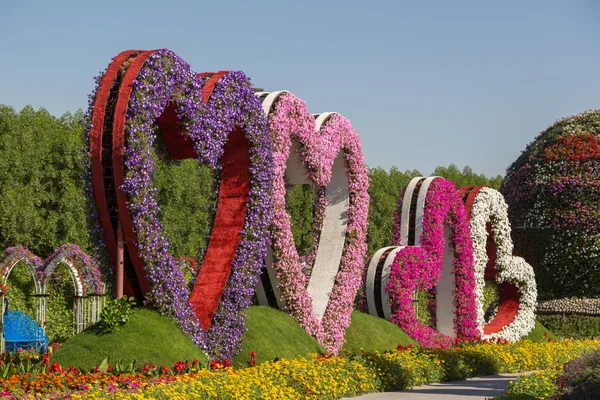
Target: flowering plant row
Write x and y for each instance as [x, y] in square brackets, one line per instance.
[326, 153]
[303, 377]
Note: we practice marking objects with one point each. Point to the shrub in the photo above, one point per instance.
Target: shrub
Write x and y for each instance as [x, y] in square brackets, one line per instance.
[572, 325]
[534, 386]
[116, 312]
[580, 378]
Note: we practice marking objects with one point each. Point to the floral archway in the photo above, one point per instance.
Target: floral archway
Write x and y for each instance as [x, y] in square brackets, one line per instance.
[87, 285]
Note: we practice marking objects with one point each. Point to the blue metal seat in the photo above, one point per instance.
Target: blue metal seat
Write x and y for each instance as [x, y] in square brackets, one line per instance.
[22, 332]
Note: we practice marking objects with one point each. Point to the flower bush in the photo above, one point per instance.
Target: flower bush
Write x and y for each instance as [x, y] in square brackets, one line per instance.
[420, 267]
[487, 206]
[290, 123]
[539, 385]
[552, 193]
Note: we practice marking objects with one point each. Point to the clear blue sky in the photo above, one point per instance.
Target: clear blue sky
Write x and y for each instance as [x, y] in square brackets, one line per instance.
[424, 83]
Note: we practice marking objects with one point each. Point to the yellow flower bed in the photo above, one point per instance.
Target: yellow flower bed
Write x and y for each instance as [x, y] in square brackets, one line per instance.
[363, 372]
[537, 385]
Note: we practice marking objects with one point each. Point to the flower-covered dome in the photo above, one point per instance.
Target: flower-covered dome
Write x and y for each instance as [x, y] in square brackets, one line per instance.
[553, 193]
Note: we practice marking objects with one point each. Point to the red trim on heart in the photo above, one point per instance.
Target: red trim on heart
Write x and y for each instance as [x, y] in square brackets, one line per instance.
[491, 249]
[509, 293]
[507, 310]
[209, 85]
[119, 167]
[97, 173]
[227, 229]
[180, 147]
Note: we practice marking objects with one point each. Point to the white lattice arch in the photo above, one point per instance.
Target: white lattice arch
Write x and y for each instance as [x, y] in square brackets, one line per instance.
[48, 270]
[80, 305]
[11, 259]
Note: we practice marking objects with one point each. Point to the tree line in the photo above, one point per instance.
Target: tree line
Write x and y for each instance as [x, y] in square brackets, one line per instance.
[42, 202]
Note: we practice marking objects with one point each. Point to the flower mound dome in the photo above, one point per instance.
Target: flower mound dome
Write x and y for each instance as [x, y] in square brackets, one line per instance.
[553, 193]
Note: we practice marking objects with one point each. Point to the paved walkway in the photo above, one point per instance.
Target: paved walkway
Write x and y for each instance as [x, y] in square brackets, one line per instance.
[480, 388]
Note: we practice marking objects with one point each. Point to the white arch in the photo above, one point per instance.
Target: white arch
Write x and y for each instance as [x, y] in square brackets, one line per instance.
[11, 263]
[58, 259]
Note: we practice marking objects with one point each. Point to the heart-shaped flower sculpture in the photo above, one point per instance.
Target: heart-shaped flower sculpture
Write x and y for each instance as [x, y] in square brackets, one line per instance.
[216, 118]
[433, 252]
[324, 151]
[493, 246]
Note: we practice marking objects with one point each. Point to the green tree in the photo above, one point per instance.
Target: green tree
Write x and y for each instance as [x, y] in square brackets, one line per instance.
[384, 190]
[41, 180]
[467, 177]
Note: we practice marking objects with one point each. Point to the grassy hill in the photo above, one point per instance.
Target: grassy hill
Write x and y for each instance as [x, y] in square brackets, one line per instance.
[146, 337]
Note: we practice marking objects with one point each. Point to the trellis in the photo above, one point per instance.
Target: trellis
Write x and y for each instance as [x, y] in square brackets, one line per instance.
[86, 306]
[88, 302]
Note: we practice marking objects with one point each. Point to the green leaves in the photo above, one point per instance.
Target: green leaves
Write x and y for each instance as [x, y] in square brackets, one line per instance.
[41, 180]
[116, 312]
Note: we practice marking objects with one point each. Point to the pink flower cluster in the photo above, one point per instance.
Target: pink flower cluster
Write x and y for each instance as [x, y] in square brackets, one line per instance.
[317, 150]
[420, 267]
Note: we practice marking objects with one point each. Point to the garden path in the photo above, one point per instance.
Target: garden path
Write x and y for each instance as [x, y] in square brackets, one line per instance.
[480, 388]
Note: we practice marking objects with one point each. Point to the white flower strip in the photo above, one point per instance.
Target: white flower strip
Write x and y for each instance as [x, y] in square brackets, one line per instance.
[489, 206]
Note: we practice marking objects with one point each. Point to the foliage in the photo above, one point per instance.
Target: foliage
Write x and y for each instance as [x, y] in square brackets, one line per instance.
[299, 204]
[141, 339]
[115, 313]
[22, 288]
[467, 177]
[373, 333]
[185, 201]
[540, 333]
[23, 362]
[384, 190]
[572, 325]
[41, 180]
[491, 294]
[552, 193]
[59, 311]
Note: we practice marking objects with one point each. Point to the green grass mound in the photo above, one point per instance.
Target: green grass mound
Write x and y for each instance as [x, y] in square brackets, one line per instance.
[146, 337]
[374, 333]
[537, 334]
[274, 334]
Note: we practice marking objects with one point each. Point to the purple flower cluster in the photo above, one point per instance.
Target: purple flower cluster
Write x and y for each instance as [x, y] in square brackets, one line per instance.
[87, 268]
[91, 281]
[166, 79]
[13, 255]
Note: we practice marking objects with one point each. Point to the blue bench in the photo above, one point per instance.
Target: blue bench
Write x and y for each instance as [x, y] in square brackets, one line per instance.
[22, 332]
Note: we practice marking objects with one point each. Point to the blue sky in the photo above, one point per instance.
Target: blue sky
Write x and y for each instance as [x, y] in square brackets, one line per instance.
[425, 83]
